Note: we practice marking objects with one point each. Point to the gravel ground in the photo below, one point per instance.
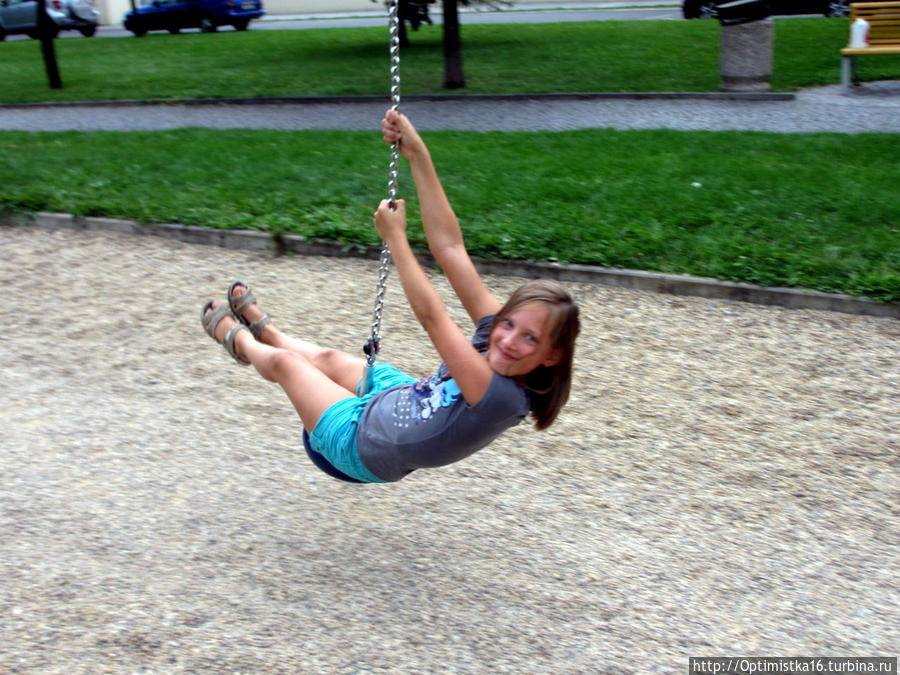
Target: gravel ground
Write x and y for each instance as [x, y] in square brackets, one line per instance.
[723, 482]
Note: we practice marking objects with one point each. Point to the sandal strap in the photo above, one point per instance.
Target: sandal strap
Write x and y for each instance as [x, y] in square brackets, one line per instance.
[229, 343]
[239, 303]
[256, 328]
[211, 319]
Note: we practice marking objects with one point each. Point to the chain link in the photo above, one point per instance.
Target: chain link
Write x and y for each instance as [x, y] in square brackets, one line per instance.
[373, 344]
[395, 95]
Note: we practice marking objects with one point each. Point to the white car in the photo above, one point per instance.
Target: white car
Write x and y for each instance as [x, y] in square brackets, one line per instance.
[21, 16]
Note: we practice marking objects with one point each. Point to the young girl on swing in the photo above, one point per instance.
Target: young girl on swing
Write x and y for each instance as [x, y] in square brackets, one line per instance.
[518, 362]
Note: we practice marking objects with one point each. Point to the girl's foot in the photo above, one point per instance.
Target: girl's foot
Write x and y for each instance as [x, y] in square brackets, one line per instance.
[243, 306]
[222, 327]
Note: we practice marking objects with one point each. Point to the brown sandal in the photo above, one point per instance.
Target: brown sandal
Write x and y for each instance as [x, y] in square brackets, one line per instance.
[239, 303]
[211, 319]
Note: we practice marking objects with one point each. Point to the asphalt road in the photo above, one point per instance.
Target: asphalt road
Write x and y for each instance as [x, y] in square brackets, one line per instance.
[374, 19]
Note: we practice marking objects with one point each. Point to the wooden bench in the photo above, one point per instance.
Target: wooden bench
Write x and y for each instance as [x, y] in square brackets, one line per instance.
[884, 35]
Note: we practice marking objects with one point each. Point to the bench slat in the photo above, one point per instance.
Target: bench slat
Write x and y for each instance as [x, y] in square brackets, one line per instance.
[874, 5]
[862, 51]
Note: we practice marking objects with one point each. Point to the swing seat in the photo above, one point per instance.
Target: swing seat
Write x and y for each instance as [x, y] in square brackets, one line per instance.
[319, 460]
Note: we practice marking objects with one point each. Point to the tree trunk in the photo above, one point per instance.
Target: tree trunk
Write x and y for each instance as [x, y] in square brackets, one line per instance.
[453, 65]
[47, 32]
[402, 35]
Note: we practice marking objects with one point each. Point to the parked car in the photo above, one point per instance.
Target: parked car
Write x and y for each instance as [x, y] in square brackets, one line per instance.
[709, 9]
[19, 17]
[207, 15]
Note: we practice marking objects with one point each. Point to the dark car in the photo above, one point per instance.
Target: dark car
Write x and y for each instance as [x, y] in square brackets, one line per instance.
[709, 9]
[19, 17]
[207, 15]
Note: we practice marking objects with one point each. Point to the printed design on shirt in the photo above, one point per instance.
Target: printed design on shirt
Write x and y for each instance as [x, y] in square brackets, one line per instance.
[424, 398]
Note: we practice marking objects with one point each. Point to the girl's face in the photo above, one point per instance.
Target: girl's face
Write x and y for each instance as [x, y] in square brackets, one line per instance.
[521, 341]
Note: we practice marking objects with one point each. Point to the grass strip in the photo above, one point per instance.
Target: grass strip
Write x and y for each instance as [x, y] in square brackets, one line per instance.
[601, 56]
[818, 211]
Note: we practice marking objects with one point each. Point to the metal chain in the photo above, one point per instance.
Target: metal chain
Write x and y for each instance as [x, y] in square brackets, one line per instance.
[373, 345]
[395, 96]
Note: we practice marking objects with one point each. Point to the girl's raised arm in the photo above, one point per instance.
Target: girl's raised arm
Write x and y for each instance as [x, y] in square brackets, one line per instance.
[472, 373]
[442, 230]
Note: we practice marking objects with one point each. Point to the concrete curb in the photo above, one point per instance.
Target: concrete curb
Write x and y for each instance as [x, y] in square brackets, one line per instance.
[745, 96]
[674, 284]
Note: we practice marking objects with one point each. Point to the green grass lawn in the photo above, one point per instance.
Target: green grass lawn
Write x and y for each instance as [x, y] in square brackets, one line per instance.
[819, 211]
[568, 57]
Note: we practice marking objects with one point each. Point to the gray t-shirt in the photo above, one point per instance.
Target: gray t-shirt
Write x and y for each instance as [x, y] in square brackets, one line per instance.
[428, 423]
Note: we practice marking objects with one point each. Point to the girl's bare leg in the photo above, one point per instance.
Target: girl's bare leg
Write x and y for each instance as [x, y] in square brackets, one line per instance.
[338, 365]
[310, 390]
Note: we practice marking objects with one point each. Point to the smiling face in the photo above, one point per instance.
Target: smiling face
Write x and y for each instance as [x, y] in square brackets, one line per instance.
[522, 341]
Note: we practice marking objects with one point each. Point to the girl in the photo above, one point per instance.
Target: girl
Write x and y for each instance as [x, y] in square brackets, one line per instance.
[518, 362]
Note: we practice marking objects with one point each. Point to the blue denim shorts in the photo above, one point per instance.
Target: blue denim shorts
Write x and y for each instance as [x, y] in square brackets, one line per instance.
[335, 434]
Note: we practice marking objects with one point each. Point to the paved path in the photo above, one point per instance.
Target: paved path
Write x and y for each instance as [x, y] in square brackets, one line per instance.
[874, 107]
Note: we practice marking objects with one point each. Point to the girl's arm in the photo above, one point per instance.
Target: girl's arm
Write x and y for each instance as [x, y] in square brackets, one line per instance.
[470, 370]
[445, 239]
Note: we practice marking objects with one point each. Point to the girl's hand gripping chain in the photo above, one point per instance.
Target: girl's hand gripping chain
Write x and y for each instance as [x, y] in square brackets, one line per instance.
[396, 128]
[391, 223]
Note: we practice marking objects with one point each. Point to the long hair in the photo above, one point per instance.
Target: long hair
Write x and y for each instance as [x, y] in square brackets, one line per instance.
[549, 385]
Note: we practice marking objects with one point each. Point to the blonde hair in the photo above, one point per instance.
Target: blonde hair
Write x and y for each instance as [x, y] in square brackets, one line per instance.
[549, 385]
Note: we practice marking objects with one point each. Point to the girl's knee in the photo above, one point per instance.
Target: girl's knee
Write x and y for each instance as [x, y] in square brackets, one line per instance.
[282, 363]
[328, 358]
